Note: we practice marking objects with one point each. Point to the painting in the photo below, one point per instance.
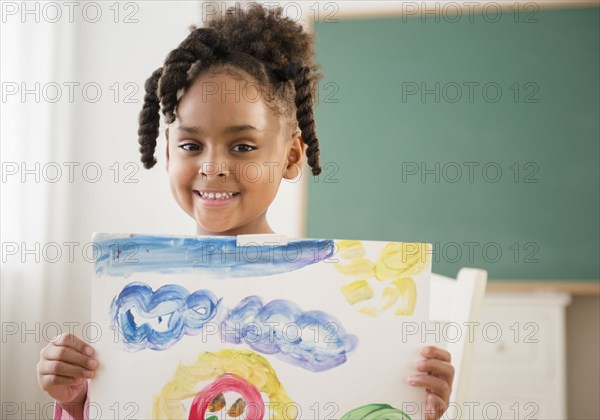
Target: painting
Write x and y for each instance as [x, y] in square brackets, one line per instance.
[257, 327]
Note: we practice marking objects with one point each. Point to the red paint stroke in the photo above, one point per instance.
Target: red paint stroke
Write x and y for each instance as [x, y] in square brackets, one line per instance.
[228, 382]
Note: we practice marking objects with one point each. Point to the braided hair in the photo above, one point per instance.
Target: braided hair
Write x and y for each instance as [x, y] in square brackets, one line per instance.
[260, 42]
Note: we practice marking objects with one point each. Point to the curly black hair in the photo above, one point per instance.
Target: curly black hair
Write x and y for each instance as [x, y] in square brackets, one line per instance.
[260, 42]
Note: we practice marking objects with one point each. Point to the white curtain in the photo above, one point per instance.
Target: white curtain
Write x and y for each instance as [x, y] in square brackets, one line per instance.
[34, 135]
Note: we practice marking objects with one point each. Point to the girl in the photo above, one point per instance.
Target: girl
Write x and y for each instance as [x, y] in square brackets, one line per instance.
[237, 96]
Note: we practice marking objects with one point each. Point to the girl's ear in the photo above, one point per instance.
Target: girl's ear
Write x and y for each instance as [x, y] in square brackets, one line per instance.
[294, 156]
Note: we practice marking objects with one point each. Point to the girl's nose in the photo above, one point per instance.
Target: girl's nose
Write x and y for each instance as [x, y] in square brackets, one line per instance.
[214, 168]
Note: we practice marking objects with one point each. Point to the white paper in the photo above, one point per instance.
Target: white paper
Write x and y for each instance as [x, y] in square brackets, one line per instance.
[350, 360]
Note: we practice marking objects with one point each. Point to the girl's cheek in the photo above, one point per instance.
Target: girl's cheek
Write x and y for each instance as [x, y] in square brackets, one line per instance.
[178, 171]
[252, 173]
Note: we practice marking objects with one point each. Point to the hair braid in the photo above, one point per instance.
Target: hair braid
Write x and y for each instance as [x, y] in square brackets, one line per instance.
[149, 120]
[301, 76]
[203, 44]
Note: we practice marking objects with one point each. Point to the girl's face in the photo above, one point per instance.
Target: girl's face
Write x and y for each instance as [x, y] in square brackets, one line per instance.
[226, 140]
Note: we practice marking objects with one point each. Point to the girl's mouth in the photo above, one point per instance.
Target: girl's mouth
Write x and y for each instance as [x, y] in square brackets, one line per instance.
[216, 199]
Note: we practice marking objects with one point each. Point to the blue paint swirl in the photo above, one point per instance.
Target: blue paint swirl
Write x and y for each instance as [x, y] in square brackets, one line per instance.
[313, 340]
[157, 320]
[215, 256]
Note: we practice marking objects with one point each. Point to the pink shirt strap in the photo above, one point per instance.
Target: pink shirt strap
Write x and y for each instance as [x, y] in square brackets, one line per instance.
[60, 414]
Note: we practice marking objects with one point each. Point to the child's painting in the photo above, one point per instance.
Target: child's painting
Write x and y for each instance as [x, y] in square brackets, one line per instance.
[257, 327]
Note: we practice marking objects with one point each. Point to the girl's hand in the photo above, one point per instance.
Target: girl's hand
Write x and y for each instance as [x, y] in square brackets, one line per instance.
[436, 379]
[64, 367]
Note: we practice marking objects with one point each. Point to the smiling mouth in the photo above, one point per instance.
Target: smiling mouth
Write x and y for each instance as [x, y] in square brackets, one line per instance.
[216, 196]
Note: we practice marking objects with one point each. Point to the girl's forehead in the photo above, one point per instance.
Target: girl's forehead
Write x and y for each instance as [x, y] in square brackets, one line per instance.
[219, 100]
[205, 119]
[215, 111]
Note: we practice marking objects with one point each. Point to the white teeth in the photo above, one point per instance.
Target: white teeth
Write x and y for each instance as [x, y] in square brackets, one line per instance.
[217, 196]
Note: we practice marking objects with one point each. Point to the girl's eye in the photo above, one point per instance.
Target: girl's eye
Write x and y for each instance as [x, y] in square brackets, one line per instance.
[245, 147]
[193, 147]
[190, 147]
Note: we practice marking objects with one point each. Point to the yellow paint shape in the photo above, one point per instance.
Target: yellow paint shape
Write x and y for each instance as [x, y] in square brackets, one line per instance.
[389, 296]
[404, 259]
[357, 291]
[408, 295]
[358, 267]
[403, 291]
[396, 266]
[350, 249]
[246, 364]
[370, 310]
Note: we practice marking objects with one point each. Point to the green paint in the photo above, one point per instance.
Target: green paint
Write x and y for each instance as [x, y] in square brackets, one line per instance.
[375, 412]
[213, 418]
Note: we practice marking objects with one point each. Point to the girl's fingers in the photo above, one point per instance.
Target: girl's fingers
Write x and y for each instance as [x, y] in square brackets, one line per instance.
[51, 380]
[68, 355]
[435, 367]
[432, 352]
[433, 384]
[435, 406]
[69, 340]
[56, 367]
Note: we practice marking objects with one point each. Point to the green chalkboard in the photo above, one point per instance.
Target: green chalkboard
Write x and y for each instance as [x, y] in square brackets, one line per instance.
[497, 164]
